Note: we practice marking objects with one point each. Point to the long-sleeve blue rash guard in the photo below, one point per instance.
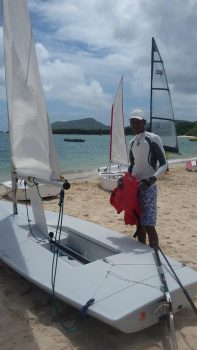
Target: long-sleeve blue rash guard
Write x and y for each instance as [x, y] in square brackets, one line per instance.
[147, 156]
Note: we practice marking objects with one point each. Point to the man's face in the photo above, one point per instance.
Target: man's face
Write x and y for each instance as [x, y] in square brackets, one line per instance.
[137, 125]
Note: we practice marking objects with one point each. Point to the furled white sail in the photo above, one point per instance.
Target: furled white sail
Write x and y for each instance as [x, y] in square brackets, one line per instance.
[162, 121]
[32, 149]
[118, 148]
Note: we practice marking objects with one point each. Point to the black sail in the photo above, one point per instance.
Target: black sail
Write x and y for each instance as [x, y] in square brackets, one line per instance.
[162, 121]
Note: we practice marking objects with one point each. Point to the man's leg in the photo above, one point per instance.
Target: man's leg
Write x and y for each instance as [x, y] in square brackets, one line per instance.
[148, 203]
[141, 233]
[152, 235]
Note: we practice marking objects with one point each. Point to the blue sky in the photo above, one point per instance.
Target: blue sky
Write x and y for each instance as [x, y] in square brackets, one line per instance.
[84, 47]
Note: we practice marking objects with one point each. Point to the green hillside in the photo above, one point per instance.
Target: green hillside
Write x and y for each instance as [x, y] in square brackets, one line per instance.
[184, 127]
[92, 127]
[80, 124]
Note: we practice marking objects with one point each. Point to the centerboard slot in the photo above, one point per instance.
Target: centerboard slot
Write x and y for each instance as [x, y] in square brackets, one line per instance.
[81, 248]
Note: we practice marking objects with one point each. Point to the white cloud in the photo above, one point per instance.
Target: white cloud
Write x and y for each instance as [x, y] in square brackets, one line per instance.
[85, 46]
[66, 81]
[42, 53]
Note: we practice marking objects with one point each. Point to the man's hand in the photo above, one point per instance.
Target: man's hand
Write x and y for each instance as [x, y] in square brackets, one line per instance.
[144, 184]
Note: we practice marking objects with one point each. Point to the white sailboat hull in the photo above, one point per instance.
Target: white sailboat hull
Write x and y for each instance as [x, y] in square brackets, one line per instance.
[121, 276]
[115, 168]
[108, 176]
[45, 190]
[108, 181]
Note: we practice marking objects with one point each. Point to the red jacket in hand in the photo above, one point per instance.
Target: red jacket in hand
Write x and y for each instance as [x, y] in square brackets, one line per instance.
[126, 198]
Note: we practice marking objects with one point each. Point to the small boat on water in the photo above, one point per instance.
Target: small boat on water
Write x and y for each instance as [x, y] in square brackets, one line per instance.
[191, 165]
[74, 140]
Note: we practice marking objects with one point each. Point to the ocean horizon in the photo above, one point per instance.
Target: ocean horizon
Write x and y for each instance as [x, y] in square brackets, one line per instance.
[88, 156]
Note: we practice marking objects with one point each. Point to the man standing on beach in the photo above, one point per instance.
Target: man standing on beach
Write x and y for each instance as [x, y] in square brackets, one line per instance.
[145, 153]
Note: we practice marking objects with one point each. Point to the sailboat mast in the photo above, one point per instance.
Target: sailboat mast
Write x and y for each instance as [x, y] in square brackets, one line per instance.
[151, 89]
[13, 177]
[111, 135]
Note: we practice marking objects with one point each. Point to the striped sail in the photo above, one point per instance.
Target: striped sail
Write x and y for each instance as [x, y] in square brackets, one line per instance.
[162, 120]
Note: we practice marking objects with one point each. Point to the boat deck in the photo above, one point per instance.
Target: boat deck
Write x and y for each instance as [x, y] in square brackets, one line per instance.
[120, 274]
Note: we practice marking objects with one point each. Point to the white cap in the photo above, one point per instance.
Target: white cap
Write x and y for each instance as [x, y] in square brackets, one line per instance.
[137, 114]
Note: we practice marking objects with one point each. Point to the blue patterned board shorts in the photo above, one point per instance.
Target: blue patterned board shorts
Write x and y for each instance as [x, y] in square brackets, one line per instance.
[148, 204]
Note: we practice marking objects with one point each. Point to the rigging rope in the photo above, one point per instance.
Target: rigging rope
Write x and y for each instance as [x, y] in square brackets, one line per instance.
[168, 300]
[72, 328]
[179, 282]
[28, 218]
[132, 283]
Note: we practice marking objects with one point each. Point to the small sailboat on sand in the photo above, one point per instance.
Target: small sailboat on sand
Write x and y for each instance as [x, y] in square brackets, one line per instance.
[118, 157]
[97, 270]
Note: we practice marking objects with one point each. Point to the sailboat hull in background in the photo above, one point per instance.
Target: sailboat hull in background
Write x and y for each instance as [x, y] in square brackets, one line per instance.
[108, 177]
[45, 191]
[108, 181]
[119, 273]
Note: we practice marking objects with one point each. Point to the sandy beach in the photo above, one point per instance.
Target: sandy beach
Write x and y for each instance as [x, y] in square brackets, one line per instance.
[28, 319]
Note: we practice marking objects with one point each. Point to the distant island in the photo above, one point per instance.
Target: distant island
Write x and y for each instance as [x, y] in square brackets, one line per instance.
[81, 126]
[90, 126]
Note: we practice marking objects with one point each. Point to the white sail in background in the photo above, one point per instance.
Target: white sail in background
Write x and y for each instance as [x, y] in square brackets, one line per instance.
[32, 149]
[118, 148]
[162, 120]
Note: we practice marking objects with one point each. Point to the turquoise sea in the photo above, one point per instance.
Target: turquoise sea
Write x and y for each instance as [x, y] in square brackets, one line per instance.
[84, 156]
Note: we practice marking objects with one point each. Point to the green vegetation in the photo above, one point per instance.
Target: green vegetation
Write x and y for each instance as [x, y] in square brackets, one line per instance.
[192, 131]
[128, 131]
[80, 124]
[90, 126]
[184, 127]
[168, 155]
